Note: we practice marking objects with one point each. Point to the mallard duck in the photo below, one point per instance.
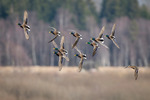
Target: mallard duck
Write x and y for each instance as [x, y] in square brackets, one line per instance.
[61, 49]
[77, 35]
[136, 71]
[99, 39]
[25, 27]
[112, 37]
[54, 32]
[60, 59]
[95, 46]
[82, 57]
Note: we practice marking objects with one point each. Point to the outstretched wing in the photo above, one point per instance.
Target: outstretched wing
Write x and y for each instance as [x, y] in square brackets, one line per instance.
[55, 45]
[101, 32]
[75, 43]
[53, 38]
[26, 33]
[25, 17]
[113, 30]
[62, 42]
[103, 44]
[78, 50]
[80, 64]
[60, 63]
[53, 28]
[94, 50]
[115, 43]
[64, 56]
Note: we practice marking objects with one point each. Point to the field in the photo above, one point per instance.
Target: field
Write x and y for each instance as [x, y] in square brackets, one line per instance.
[47, 83]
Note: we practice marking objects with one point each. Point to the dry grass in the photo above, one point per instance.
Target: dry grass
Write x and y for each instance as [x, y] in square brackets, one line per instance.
[47, 83]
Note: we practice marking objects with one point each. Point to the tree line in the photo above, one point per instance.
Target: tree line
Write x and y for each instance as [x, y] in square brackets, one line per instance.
[47, 10]
[132, 31]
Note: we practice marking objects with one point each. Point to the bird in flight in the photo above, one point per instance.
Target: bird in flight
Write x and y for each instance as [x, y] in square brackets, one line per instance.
[61, 53]
[100, 39]
[60, 59]
[112, 37]
[24, 26]
[54, 32]
[82, 58]
[77, 35]
[136, 70]
[94, 45]
[62, 50]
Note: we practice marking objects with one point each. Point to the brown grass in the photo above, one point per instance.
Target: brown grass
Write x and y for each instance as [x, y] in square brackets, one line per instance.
[47, 83]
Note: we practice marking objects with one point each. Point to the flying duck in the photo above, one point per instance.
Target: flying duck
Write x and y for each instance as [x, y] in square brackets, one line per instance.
[77, 36]
[100, 39]
[82, 58]
[136, 71]
[112, 37]
[54, 32]
[24, 26]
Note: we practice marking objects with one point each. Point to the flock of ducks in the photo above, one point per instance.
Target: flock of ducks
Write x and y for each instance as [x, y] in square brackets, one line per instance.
[61, 52]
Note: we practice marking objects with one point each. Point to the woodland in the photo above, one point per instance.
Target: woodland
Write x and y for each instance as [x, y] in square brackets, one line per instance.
[132, 31]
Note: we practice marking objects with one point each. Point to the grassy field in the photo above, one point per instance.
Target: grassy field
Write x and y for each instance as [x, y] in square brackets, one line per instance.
[47, 83]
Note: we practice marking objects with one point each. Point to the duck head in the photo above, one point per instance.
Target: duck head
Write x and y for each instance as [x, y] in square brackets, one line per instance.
[56, 53]
[51, 32]
[93, 39]
[88, 42]
[20, 24]
[76, 55]
[71, 33]
[107, 36]
[55, 48]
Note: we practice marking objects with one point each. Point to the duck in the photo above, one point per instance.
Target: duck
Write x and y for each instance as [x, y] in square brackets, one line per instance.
[77, 36]
[60, 55]
[100, 39]
[82, 58]
[136, 70]
[61, 49]
[54, 32]
[95, 46]
[112, 37]
[24, 26]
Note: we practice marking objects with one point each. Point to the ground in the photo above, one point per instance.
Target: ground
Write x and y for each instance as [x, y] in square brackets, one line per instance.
[47, 83]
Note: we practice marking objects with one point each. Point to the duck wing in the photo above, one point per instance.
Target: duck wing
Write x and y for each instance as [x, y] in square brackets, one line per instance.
[115, 43]
[80, 64]
[54, 44]
[26, 33]
[60, 63]
[94, 50]
[103, 45]
[53, 28]
[64, 56]
[25, 17]
[53, 38]
[62, 42]
[101, 32]
[78, 50]
[113, 30]
[75, 43]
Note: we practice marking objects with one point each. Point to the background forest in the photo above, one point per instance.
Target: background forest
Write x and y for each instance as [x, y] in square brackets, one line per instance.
[132, 18]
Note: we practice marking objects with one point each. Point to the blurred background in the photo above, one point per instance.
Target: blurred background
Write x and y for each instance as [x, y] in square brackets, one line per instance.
[44, 81]
[132, 18]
